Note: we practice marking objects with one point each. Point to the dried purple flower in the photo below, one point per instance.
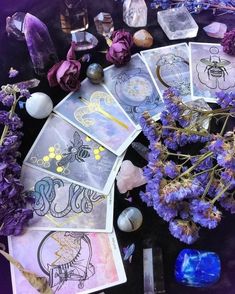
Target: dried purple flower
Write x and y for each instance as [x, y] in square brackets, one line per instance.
[228, 42]
[13, 72]
[185, 231]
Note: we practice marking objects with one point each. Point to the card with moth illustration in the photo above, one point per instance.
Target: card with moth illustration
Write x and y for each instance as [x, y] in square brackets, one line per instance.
[169, 67]
[212, 70]
[133, 88]
[62, 205]
[62, 149]
[96, 113]
[73, 262]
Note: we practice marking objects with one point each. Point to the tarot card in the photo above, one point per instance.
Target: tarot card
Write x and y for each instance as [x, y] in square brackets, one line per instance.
[96, 113]
[133, 88]
[212, 70]
[73, 262]
[61, 205]
[169, 67]
[63, 150]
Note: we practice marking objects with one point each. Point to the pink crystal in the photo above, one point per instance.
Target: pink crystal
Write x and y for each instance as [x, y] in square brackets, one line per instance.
[216, 30]
[129, 177]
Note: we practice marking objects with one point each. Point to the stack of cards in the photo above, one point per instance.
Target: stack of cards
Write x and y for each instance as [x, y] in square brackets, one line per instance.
[71, 167]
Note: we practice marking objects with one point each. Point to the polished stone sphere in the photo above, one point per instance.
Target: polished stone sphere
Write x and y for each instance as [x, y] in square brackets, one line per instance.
[95, 73]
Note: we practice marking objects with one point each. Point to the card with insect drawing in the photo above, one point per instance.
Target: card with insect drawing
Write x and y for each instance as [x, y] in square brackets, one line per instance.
[63, 150]
[133, 88]
[73, 262]
[212, 70]
[169, 67]
[60, 205]
[96, 113]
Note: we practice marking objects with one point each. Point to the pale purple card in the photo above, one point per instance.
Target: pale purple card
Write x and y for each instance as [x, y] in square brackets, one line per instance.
[62, 205]
[96, 113]
[169, 67]
[72, 262]
[212, 70]
[63, 150]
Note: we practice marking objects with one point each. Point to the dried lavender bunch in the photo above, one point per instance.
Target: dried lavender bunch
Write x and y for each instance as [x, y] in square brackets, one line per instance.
[185, 189]
[13, 212]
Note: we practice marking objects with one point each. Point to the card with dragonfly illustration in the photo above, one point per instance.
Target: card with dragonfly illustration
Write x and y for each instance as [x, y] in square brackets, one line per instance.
[62, 205]
[62, 149]
[95, 112]
[169, 67]
[212, 70]
[133, 88]
[73, 262]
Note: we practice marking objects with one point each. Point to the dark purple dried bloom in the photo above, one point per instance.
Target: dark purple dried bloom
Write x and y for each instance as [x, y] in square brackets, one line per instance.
[226, 159]
[185, 231]
[165, 211]
[13, 72]
[228, 203]
[225, 99]
[7, 100]
[171, 169]
[228, 42]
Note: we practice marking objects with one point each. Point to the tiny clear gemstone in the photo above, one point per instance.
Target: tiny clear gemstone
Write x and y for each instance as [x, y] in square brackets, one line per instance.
[83, 40]
[14, 25]
[177, 23]
[104, 24]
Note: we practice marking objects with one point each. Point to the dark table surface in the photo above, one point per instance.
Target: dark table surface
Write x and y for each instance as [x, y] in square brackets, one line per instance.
[154, 230]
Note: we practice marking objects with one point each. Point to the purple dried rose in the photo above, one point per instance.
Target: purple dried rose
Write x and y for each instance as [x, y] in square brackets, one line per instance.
[228, 42]
[66, 73]
[119, 52]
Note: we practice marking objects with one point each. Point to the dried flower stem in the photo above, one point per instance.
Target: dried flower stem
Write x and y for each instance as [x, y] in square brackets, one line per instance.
[221, 193]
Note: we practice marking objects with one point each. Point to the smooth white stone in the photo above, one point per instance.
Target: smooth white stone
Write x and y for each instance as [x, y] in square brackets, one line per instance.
[216, 30]
[39, 105]
[130, 219]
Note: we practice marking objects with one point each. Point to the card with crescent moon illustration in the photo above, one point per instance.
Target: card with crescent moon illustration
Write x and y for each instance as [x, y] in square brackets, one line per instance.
[212, 70]
[169, 67]
[133, 88]
[72, 262]
[62, 205]
[96, 113]
[62, 150]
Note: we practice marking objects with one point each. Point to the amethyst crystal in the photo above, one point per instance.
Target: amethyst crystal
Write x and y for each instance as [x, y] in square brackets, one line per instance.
[40, 45]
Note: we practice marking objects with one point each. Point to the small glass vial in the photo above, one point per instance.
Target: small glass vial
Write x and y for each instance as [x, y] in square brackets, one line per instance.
[73, 15]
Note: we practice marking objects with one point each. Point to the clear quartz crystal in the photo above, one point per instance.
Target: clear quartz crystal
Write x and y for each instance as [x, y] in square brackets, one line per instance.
[104, 24]
[135, 13]
[14, 25]
[177, 23]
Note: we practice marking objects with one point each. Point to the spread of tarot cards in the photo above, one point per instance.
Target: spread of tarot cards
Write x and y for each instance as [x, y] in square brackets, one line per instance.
[71, 168]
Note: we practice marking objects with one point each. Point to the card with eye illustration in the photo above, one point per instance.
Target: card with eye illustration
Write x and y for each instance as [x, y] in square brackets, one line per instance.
[63, 150]
[212, 70]
[62, 205]
[133, 88]
[169, 67]
[72, 262]
[96, 113]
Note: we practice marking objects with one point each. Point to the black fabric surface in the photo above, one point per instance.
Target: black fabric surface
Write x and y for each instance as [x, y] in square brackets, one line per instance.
[154, 230]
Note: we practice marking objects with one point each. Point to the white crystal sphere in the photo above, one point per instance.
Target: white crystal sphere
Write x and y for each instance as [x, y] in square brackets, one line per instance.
[130, 219]
[39, 105]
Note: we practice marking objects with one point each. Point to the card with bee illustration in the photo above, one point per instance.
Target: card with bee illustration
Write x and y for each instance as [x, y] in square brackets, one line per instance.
[96, 113]
[71, 262]
[212, 70]
[133, 88]
[169, 67]
[61, 205]
[63, 150]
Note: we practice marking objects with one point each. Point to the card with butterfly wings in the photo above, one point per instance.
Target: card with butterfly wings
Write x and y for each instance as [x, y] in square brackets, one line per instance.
[169, 67]
[62, 149]
[212, 70]
[62, 205]
[73, 262]
[96, 113]
[133, 88]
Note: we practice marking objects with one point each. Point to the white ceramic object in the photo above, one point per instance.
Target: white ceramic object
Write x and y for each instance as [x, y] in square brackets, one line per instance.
[39, 105]
[130, 219]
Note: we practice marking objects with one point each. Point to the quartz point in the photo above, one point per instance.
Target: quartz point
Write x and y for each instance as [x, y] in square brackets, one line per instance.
[177, 23]
[83, 40]
[135, 13]
[216, 30]
[104, 24]
[196, 120]
[14, 25]
[196, 268]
